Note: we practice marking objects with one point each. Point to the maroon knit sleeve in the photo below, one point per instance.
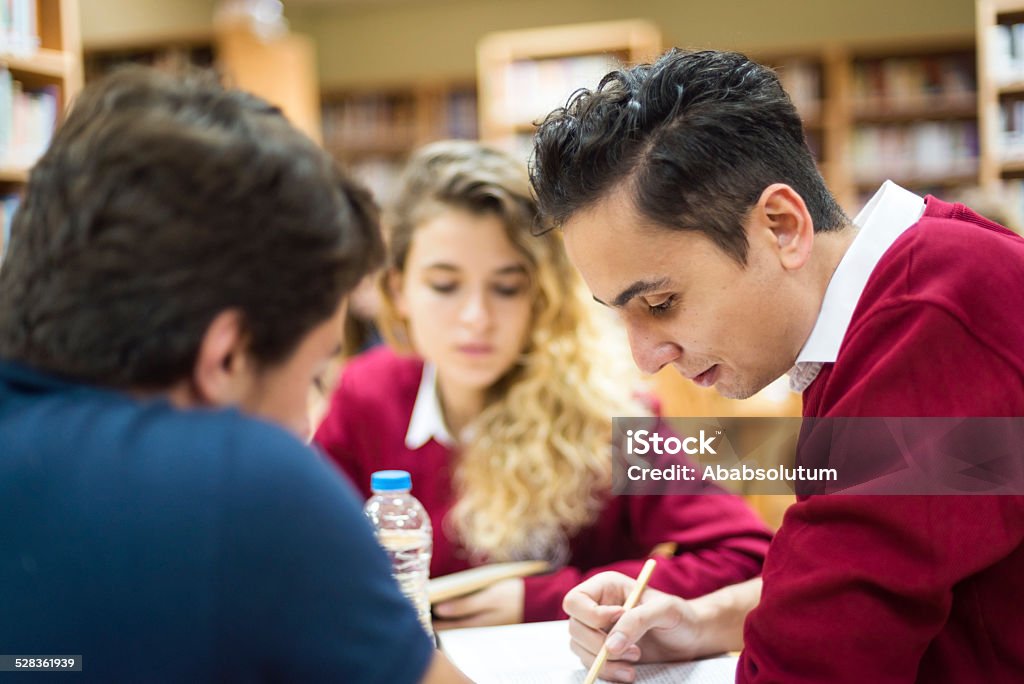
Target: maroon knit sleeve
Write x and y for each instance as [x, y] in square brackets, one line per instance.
[866, 588]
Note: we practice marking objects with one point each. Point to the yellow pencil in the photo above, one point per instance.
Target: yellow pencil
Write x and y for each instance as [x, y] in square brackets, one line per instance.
[641, 583]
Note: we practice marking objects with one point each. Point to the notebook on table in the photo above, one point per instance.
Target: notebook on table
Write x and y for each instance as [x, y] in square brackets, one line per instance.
[538, 653]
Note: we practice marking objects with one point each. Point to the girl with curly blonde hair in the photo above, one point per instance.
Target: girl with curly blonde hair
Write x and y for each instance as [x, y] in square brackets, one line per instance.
[497, 393]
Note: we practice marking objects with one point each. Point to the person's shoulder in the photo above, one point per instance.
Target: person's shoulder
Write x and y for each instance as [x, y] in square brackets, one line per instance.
[239, 431]
[103, 422]
[952, 258]
[209, 429]
[263, 468]
[150, 450]
[223, 444]
[383, 361]
[951, 240]
[253, 445]
[956, 217]
[381, 373]
[248, 459]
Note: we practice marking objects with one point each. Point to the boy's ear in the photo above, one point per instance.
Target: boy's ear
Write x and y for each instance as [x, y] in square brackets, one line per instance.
[784, 215]
[222, 370]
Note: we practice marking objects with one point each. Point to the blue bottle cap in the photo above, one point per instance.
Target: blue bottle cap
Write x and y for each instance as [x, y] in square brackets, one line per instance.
[391, 481]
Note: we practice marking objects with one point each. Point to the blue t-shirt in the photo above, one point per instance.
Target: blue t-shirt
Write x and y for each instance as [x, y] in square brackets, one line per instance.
[171, 545]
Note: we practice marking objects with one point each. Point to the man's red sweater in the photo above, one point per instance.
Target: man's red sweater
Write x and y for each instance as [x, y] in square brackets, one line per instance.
[909, 588]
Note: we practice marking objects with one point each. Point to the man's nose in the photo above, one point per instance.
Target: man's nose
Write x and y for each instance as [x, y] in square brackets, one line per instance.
[649, 353]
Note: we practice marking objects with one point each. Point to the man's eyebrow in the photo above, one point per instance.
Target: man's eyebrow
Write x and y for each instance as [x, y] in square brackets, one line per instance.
[637, 289]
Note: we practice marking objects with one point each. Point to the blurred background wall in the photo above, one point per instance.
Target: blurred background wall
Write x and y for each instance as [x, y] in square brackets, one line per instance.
[363, 42]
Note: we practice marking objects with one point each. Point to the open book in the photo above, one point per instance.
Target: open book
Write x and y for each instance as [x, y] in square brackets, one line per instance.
[457, 584]
[538, 653]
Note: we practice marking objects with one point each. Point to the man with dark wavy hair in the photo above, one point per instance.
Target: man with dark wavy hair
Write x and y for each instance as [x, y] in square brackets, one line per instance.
[692, 206]
[173, 286]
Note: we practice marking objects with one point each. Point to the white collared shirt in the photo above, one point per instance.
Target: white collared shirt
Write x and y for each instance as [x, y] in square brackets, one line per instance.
[891, 211]
[427, 418]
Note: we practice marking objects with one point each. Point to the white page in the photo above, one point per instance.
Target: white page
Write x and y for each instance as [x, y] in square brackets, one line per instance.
[720, 670]
[538, 653]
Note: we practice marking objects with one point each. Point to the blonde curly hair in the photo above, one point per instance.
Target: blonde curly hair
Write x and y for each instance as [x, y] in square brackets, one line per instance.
[537, 466]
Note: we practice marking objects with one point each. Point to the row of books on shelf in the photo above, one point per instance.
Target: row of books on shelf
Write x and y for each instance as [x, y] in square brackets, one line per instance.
[461, 115]
[1011, 146]
[932, 150]
[19, 31]
[394, 122]
[27, 121]
[8, 205]
[1006, 53]
[174, 59]
[532, 88]
[369, 121]
[910, 83]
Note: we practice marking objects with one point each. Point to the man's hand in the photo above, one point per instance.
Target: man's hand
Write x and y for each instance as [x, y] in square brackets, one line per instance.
[499, 604]
[660, 628]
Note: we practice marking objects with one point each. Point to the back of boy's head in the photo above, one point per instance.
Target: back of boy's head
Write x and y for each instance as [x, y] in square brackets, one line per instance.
[162, 201]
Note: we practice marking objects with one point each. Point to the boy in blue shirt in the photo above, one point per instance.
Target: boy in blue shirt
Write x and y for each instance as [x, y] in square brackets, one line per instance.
[173, 286]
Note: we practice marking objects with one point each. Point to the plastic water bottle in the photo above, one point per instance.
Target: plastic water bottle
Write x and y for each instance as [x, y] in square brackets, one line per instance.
[403, 529]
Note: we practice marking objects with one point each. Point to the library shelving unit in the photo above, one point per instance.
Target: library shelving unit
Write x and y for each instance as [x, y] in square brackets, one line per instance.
[913, 115]
[167, 51]
[523, 75]
[905, 110]
[281, 68]
[40, 72]
[1000, 45]
[373, 130]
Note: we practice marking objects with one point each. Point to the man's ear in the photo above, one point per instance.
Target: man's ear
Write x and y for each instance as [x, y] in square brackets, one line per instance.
[221, 373]
[784, 216]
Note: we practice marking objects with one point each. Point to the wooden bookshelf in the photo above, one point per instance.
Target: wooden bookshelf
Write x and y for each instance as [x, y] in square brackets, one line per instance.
[281, 69]
[1000, 29]
[41, 64]
[912, 109]
[373, 130]
[904, 110]
[166, 52]
[392, 121]
[523, 75]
